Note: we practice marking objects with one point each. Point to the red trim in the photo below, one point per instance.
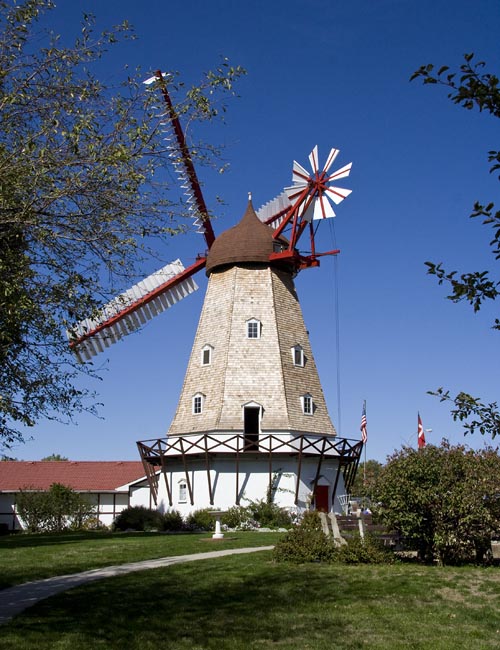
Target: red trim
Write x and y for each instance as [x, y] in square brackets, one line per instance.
[188, 163]
[187, 273]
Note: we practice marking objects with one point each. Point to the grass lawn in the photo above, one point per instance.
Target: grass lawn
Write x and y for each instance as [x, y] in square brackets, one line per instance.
[31, 557]
[246, 601]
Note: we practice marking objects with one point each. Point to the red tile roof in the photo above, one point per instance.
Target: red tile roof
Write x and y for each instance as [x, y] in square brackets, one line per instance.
[82, 476]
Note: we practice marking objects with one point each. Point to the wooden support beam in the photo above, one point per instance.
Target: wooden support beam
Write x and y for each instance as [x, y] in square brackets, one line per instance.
[299, 468]
[190, 487]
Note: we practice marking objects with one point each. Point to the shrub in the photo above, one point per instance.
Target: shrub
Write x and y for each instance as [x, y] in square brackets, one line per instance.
[201, 520]
[172, 521]
[305, 543]
[138, 518]
[300, 545]
[269, 515]
[367, 550]
[54, 510]
[236, 517]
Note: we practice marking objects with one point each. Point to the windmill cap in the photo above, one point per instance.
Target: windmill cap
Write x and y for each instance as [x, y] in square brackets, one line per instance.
[250, 241]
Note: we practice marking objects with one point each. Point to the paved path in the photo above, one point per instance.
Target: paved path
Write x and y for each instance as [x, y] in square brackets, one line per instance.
[16, 599]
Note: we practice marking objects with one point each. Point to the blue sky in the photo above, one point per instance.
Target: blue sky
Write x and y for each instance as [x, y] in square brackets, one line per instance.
[334, 74]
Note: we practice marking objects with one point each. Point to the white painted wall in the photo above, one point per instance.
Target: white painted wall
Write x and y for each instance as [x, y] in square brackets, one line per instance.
[253, 481]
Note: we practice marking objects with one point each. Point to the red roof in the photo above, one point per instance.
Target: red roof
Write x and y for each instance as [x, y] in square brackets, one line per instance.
[82, 476]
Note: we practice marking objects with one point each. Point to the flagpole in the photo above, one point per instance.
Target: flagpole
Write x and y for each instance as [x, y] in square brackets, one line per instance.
[364, 449]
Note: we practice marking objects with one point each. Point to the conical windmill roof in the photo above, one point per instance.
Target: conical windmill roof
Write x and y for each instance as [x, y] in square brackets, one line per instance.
[250, 241]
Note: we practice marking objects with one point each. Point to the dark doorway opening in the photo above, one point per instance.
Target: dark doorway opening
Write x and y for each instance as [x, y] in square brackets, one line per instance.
[252, 426]
[321, 498]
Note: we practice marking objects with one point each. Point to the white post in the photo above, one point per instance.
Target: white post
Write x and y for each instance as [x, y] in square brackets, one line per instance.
[218, 533]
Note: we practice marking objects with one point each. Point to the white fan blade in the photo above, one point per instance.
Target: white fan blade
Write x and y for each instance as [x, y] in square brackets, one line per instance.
[313, 159]
[308, 214]
[299, 174]
[322, 208]
[294, 191]
[333, 154]
[341, 173]
[337, 194]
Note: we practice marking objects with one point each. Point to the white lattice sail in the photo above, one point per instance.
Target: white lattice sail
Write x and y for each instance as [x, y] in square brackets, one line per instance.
[130, 310]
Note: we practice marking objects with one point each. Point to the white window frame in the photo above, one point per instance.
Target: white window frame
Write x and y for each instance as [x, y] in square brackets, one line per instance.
[253, 326]
[204, 350]
[182, 491]
[298, 349]
[307, 404]
[197, 404]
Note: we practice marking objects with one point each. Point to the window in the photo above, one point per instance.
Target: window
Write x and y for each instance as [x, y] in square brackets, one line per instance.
[198, 403]
[253, 329]
[182, 492]
[307, 404]
[206, 355]
[298, 356]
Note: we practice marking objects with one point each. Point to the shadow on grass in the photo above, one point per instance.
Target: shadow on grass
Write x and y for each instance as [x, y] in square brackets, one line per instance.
[24, 540]
[224, 604]
[245, 601]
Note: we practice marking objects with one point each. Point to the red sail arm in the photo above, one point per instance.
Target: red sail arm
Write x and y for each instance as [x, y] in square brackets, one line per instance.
[187, 162]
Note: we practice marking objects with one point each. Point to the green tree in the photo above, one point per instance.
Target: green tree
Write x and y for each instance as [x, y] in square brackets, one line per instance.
[54, 457]
[471, 87]
[81, 206]
[444, 500]
[366, 478]
[54, 510]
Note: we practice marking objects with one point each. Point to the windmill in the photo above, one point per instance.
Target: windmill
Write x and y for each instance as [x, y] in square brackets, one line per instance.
[251, 418]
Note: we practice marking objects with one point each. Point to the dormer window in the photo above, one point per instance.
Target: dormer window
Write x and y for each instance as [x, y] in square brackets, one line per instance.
[307, 404]
[198, 400]
[298, 356]
[253, 328]
[206, 355]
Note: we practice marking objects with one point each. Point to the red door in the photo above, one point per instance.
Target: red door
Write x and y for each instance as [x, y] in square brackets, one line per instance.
[321, 498]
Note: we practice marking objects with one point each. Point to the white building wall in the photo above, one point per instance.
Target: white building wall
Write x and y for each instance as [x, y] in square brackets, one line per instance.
[252, 484]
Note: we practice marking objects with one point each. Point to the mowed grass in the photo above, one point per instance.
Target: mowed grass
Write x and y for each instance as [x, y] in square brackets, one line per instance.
[247, 601]
[24, 558]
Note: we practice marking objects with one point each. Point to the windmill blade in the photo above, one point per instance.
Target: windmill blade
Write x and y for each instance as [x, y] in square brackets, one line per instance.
[340, 173]
[313, 159]
[322, 208]
[299, 174]
[132, 309]
[182, 161]
[337, 194]
[331, 157]
[274, 211]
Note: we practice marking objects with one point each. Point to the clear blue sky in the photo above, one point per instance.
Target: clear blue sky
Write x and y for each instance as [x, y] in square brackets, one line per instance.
[334, 74]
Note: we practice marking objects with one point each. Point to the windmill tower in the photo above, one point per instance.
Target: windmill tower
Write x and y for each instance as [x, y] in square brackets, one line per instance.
[251, 421]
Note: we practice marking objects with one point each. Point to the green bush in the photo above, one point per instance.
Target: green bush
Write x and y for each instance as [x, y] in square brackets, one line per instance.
[305, 543]
[172, 521]
[300, 545]
[201, 520]
[367, 550]
[236, 517]
[138, 518]
[55, 510]
[269, 515]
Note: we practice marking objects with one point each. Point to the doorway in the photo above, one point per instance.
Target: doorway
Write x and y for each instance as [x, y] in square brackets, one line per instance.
[251, 418]
[321, 498]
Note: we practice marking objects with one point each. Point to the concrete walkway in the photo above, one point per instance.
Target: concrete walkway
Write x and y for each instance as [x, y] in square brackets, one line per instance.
[16, 599]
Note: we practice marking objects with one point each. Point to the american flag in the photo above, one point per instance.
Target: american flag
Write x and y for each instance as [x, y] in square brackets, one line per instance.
[362, 428]
[420, 434]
